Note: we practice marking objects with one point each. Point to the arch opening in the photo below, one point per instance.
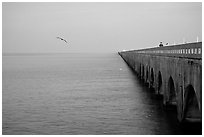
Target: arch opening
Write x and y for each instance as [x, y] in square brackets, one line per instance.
[159, 82]
[151, 78]
[140, 70]
[147, 74]
[142, 75]
[191, 107]
[172, 92]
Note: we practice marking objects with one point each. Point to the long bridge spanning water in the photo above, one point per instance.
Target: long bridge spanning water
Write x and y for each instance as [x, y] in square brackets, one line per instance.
[175, 73]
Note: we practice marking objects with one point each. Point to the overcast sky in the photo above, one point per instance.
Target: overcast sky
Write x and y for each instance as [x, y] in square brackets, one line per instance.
[97, 27]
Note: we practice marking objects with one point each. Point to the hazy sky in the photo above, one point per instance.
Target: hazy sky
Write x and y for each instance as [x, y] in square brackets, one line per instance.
[97, 27]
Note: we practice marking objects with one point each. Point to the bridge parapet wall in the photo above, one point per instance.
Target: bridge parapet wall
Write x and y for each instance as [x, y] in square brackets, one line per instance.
[191, 50]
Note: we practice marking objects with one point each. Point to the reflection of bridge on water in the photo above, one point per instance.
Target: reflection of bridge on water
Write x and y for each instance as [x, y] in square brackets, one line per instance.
[175, 72]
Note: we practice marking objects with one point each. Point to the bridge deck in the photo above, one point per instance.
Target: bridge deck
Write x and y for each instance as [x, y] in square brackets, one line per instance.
[190, 50]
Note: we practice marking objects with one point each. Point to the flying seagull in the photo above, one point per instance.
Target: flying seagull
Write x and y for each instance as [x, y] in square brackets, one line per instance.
[61, 39]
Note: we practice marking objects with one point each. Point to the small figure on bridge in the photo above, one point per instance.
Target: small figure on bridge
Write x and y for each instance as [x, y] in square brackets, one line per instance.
[160, 45]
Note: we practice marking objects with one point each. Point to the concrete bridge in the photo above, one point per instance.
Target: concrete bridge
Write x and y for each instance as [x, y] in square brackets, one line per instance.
[175, 73]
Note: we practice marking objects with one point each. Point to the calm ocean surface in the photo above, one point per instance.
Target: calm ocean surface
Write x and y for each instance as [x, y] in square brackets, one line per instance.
[78, 94]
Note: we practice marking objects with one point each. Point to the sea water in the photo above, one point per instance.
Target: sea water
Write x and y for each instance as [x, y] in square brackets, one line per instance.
[78, 93]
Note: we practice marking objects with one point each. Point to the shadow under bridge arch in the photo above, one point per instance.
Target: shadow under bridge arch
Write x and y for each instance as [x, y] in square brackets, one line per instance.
[192, 113]
[171, 92]
[159, 83]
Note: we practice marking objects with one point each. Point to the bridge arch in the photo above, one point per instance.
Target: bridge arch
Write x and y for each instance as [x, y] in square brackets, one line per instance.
[159, 82]
[171, 92]
[143, 72]
[147, 74]
[140, 70]
[151, 78]
[191, 107]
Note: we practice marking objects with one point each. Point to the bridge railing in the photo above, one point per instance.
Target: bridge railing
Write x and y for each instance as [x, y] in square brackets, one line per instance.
[190, 50]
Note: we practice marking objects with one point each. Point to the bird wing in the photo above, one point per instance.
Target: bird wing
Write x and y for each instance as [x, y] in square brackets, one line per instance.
[61, 39]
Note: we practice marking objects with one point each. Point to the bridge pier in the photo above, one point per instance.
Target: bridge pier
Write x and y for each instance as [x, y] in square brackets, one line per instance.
[174, 72]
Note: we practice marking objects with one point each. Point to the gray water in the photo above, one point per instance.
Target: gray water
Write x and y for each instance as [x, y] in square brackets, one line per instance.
[78, 94]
